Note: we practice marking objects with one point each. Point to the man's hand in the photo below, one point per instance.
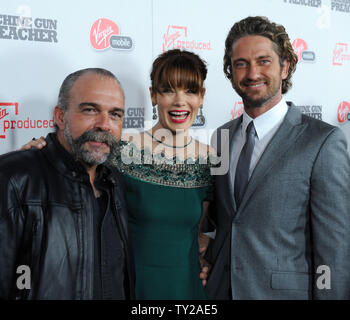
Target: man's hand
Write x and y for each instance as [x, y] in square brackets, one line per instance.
[35, 143]
[203, 241]
[205, 271]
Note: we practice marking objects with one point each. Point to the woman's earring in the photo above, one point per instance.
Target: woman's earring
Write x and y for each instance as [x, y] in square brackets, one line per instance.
[154, 111]
[201, 117]
[201, 111]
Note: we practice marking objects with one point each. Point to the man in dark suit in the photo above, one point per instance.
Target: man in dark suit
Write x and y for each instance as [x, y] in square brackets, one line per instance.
[282, 211]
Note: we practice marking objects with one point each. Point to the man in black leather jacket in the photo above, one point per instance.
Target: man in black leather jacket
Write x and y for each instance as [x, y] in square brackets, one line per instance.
[63, 220]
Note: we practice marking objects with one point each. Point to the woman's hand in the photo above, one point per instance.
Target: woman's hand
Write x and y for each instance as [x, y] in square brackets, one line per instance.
[35, 143]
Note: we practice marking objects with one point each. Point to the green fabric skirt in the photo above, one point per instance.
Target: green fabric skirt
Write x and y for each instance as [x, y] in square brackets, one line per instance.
[163, 230]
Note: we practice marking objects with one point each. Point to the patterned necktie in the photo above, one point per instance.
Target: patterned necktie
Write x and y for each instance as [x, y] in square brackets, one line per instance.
[242, 170]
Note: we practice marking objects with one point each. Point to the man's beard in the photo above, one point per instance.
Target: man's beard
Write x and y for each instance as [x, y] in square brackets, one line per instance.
[95, 157]
[250, 102]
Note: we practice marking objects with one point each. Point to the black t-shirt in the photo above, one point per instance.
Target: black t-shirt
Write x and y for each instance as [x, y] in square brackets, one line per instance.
[109, 257]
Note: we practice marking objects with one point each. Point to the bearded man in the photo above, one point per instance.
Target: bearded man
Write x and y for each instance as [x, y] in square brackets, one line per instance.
[282, 211]
[63, 221]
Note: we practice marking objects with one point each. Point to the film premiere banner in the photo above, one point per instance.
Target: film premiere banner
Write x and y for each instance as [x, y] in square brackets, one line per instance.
[318, 35]
[16, 31]
[42, 43]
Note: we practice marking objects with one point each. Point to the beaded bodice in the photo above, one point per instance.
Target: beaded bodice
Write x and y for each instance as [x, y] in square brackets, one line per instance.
[157, 168]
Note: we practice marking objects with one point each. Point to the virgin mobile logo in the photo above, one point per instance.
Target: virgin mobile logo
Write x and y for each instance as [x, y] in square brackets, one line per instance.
[105, 34]
[301, 50]
[343, 111]
[176, 38]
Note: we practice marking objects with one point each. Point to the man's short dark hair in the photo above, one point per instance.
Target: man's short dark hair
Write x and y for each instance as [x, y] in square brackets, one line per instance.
[261, 26]
[68, 82]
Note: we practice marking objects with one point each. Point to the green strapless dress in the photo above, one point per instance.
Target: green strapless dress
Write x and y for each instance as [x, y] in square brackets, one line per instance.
[165, 205]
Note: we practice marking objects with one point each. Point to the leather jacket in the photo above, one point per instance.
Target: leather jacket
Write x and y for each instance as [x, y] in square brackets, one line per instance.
[46, 216]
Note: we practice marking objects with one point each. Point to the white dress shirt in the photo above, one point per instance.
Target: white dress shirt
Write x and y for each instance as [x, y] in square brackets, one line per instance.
[266, 126]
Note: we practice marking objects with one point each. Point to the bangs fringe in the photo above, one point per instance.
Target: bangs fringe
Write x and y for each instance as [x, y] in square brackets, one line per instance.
[179, 74]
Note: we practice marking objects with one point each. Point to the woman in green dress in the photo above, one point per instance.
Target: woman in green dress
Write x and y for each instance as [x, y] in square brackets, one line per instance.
[168, 180]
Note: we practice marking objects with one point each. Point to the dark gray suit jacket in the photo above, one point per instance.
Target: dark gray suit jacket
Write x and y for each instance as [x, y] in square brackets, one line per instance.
[293, 218]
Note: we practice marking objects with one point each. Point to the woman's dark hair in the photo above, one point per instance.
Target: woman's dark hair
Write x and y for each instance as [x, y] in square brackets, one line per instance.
[178, 68]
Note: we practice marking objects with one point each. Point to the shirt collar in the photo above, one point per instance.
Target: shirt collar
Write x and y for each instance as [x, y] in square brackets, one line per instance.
[267, 121]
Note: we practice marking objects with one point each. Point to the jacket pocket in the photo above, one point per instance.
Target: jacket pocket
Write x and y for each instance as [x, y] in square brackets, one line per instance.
[290, 281]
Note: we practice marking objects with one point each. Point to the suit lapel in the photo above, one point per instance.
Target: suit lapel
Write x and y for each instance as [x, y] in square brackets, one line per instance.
[233, 128]
[285, 137]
